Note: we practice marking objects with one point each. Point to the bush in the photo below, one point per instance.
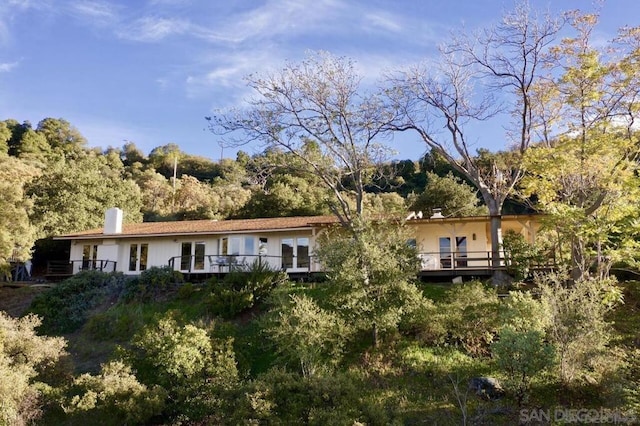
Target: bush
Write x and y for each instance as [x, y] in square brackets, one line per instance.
[22, 355]
[520, 256]
[114, 397]
[307, 334]
[242, 289]
[154, 284]
[281, 397]
[521, 355]
[65, 308]
[468, 318]
[578, 327]
[187, 362]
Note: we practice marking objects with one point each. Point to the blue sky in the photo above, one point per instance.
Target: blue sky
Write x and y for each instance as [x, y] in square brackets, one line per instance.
[149, 71]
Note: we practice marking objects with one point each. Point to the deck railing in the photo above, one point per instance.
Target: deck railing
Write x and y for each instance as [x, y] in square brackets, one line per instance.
[436, 261]
[214, 263]
[63, 268]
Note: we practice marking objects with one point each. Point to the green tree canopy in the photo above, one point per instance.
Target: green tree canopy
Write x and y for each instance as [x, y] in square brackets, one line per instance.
[449, 193]
[72, 195]
[17, 234]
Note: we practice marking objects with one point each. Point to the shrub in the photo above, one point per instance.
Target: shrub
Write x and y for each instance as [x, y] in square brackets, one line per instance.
[372, 274]
[153, 284]
[468, 318]
[190, 365]
[521, 355]
[242, 289]
[281, 397]
[522, 312]
[113, 397]
[22, 355]
[65, 308]
[578, 327]
[307, 334]
[520, 256]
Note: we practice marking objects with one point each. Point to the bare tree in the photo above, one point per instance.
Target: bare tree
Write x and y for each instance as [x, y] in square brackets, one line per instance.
[315, 111]
[479, 77]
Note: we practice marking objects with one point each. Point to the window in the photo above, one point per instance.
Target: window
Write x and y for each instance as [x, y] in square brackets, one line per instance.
[445, 252]
[138, 257]
[133, 257]
[298, 246]
[461, 252]
[89, 256]
[238, 246]
[286, 245]
[198, 260]
[302, 252]
[144, 253]
[249, 245]
[185, 257]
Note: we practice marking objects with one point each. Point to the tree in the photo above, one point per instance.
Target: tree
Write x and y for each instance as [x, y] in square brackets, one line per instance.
[17, 234]
[502, 61]
[371, 277]
[307, 334]
[23, 354]
[72, 195]
[5, 135]
[584, 172]
[454, 197]
[521, 355]
[194, 199]
[62, 136]
[316, 102]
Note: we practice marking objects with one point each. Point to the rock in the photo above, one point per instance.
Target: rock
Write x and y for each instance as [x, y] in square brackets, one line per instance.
[486, 387]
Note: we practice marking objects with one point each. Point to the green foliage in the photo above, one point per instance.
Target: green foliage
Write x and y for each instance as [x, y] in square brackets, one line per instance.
[521, 355]
[241, 289]
[66, 307]
[578, 327]
[17, 234]
[521, 311]
[22, 355]
[449, 193]
[281, 397]
[72, 195]
[371, 275]
[308, 335]
[519, 255]
[113, 397]
[155, 283]
[468, 318]
[187, 362]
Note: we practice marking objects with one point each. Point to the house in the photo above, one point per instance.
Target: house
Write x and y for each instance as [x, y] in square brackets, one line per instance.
[447, 246]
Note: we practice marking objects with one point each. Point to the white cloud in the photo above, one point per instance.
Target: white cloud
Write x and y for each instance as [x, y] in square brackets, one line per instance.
[287, 18]
[383, 21]
[6, 67]
[152, 29]
[94, 12]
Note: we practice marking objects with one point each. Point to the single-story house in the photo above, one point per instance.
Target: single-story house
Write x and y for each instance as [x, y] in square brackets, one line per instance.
[447, 246]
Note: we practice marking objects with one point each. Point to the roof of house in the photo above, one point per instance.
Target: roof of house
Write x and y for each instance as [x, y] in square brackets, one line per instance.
[188, 227]
[212, 227]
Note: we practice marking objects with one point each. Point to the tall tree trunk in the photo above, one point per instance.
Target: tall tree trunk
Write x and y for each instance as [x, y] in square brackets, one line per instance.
[499, 276]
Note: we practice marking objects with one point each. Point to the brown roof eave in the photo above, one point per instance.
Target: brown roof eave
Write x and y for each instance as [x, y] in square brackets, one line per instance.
[179, 234]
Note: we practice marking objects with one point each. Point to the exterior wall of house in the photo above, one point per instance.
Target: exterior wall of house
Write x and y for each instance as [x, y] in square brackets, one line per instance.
[202, 253]
[470, 238]
[442, 244]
